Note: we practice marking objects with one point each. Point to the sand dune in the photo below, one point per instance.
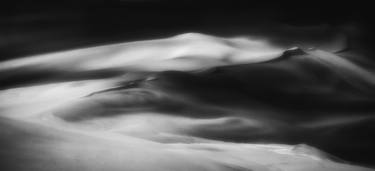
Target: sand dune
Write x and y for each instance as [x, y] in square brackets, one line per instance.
[189, 102]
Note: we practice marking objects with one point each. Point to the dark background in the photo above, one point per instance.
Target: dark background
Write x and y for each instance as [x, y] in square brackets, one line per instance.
[33, 26]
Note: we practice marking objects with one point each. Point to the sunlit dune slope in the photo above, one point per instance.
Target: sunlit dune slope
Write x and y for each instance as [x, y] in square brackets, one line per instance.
[189, 102]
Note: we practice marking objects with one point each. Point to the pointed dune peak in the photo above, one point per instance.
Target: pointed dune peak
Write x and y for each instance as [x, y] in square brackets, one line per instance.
[293, 51]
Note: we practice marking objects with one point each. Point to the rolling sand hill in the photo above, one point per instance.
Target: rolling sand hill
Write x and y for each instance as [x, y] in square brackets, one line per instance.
[189, 102]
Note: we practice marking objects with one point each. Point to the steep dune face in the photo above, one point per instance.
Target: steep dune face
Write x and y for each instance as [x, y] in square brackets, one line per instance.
[190, 102]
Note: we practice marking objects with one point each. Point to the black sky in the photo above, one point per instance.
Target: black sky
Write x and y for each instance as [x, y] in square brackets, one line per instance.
[32, 27]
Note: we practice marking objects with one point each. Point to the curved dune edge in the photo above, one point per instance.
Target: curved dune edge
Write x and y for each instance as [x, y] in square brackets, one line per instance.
[44, 148]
